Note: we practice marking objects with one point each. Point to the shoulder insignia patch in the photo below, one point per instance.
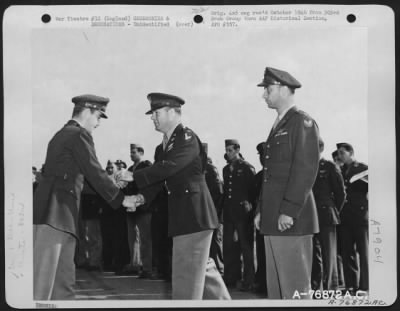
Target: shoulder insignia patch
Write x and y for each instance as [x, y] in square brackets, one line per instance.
[308, 123]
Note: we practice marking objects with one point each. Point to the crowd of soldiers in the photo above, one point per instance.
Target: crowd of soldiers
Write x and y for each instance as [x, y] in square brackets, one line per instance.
[138, 244]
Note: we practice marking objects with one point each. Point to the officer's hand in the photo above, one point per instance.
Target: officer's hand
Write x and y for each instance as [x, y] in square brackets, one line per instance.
[284, 222]
[130, 203]
[257, 220]
[125, 175]
[246, 205]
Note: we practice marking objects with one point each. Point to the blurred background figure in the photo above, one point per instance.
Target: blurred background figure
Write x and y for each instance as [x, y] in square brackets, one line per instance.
[260, 285]
[214, 184]
[354, 217]
[329, 197]
[139, 223]
[89, 249]
[238, 219]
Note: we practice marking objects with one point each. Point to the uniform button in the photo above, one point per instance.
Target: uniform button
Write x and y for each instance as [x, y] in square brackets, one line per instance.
[265, 168]
[229, 197]
[65, 176]
[277, 143]
[265, 180]
[268, 146]
[230, 189]
[230, 183]
[267, 157]
[323, 206]
[362, 207]
[169, 192]
[230, 176]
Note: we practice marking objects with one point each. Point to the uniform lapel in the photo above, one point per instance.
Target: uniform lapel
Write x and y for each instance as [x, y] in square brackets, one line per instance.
[282, 122]
[171, 140]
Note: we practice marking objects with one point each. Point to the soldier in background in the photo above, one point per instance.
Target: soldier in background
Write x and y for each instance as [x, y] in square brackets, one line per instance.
[339, 165]
[260, 280]
[139, 222]
[107, 226]
[214, 184]
[329, 197]
[354, 217]
[89, 254]
[238, 218]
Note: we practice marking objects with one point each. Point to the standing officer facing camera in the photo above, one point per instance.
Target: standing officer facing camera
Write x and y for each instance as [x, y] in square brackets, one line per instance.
[179, 167]
[286, 208]
[70, 158]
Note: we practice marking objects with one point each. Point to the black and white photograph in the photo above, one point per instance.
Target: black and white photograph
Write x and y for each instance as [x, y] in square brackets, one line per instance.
[199, 156]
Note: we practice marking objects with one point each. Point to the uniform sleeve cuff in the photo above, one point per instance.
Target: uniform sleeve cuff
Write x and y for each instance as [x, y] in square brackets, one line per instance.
[290, 209]
[117, 201]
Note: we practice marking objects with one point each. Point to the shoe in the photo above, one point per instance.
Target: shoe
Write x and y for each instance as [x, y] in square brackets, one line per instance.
[245, 287]
[93, 268]
[144, 275]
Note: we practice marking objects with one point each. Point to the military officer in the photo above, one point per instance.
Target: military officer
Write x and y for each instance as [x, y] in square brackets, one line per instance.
[238, 217]
[70, 158]
[329, 196]
[354, 217]
[214, 184]
[192, 217]
[287, 209]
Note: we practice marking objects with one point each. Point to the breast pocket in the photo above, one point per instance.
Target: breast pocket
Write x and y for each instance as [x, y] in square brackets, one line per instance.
[282, 147]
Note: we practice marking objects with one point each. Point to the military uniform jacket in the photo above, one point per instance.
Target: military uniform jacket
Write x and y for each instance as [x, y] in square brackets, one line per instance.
[355, 209]
[238, 187]
[290, 168]
[180, 169]
[329, 193]
[70, 157]
[214, 185]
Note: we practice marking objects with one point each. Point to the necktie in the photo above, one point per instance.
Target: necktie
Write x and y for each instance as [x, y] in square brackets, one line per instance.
[165, 141]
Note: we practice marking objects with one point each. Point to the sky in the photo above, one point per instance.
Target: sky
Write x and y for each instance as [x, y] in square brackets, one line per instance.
[216, 71]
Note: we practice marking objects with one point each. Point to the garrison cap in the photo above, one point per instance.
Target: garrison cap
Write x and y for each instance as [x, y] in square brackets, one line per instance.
[136, 146]
[260, 147]
[120, 162]
[92, 101]
[276, 76]
[346, 146]
[230, 142]
[160, 100]
[205, 147]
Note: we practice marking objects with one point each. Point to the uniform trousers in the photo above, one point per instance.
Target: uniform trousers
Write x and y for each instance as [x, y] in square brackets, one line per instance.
[355, 237]
[324, 269]
[191, 279]
[53, 263]
[260, 272]
[140, 240]
[232, 250]
[288, 266]
[216, 248]
[90, 244]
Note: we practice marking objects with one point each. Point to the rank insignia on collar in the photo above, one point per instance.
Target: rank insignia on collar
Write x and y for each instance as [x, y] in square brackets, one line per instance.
[187, 137]
[307, 123]
[170, 147]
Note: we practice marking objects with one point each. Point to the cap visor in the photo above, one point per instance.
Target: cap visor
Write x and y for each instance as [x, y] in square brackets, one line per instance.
[149, 112]
[103, 115]
[262, 84]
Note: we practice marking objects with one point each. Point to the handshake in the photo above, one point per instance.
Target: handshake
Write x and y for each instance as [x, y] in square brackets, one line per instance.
[122, 177]
[133, 201]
